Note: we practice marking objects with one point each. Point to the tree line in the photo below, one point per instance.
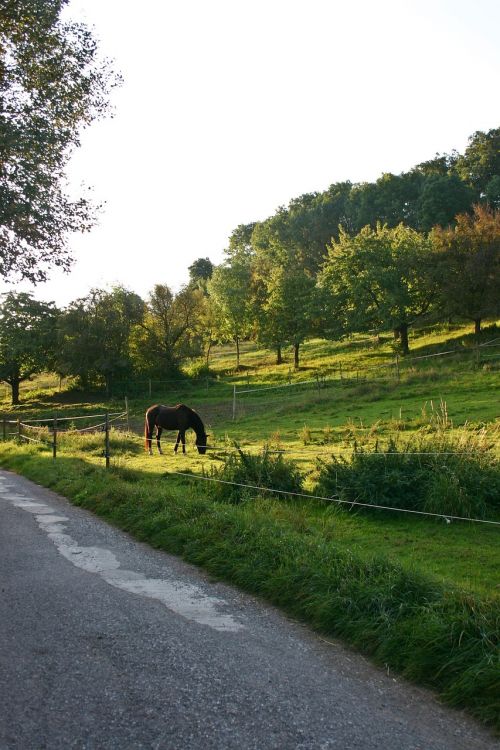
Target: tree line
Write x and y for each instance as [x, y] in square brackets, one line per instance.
[370, 257]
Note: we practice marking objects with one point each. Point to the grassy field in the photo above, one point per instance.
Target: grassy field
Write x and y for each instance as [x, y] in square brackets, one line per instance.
[450, 568]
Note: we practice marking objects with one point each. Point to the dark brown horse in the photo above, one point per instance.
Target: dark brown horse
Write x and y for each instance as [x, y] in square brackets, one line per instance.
[180, 418]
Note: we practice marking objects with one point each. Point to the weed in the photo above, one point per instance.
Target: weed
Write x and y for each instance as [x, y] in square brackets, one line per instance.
[305, 435]
[427, 473]
[244, 472]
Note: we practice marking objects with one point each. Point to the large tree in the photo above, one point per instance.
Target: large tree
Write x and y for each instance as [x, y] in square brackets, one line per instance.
[229, 289]
[52, 84]
[480, 162]
[383, 278]
[169, 331]
[290, 307]
[469, 255]
[28, 339]
[95, 336]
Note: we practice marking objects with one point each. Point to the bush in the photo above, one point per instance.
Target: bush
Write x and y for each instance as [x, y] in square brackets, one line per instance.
[266, 469]
[435, 475]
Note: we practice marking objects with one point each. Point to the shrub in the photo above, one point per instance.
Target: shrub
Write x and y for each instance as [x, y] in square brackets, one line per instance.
[266, 469]
[435, 475]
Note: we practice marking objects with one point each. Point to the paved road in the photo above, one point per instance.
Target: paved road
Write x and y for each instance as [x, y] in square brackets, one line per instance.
[105, 643]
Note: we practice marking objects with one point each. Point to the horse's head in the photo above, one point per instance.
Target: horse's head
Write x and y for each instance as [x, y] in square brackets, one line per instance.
[201, 442]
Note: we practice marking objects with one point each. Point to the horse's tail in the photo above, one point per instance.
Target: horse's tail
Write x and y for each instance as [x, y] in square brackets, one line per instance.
[149, 422]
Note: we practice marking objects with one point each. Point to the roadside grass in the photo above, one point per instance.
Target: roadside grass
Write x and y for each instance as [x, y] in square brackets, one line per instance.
[318, 564]
[421, 596]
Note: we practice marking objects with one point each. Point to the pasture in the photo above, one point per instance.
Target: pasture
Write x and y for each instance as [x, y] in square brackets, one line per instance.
[288, 548]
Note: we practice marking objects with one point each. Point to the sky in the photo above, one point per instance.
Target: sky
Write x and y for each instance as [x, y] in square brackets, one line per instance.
[231, 108]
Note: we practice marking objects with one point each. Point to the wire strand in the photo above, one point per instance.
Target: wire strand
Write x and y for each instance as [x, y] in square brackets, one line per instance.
[336, 499]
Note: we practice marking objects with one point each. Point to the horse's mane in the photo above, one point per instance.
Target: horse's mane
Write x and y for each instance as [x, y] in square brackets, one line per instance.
[197, 425]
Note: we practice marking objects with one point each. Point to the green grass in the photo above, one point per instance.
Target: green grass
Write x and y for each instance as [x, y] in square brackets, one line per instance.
[348, 576]
[421, 596]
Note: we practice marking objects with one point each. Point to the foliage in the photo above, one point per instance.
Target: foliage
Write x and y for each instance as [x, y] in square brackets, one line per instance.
[381, 278]
[95, 332]
[480, 162]
[469, 257]
[266, 469]
[168, 332]
[229, 290]
[28, 338]
[435, 475]
[52, 85]
[202, 268]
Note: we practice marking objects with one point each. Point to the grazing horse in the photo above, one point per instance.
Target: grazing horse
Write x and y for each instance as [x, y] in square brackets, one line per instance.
[180, 418]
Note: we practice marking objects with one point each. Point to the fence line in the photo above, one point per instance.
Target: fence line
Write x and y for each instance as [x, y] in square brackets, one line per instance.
[336, 499]
[471, 350]
[69, 419]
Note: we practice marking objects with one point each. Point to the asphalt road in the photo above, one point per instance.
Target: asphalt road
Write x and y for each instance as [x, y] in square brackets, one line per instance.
[105, 643]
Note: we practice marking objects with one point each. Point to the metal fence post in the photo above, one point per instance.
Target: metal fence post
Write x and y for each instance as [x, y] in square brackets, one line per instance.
[106, 441]
[234, 402]
[54, 438]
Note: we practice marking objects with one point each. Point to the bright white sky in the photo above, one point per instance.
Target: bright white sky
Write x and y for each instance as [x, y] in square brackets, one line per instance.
[230, 108]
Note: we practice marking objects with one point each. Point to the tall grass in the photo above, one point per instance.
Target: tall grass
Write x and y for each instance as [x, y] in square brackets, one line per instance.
[430, 472]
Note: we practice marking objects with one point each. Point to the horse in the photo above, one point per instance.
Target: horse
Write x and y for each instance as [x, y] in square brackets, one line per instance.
[180, 418]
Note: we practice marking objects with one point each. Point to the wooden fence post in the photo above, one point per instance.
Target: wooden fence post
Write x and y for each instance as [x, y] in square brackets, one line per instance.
[126, 412]
[19, 431]
[54, 438]
[106, 440]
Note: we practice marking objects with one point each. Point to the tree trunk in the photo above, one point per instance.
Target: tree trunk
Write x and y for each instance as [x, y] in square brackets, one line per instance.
[477, 326]
[209, 347]
[296, 356]
[237, 352]
[397, 334]
[279, 357]
[403, 330]
[14, 384]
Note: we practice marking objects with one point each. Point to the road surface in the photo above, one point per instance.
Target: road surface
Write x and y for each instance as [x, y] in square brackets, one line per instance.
[106, 643]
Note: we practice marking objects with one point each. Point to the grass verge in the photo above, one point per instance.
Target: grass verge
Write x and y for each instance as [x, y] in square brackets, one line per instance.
[430, 632]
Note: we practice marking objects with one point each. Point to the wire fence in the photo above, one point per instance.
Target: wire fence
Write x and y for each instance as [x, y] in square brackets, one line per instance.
[334, 499]
[47, 430]
[342, 375]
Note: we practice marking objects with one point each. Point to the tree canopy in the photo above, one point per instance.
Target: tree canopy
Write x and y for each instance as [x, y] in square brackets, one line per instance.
[52, 84]
[28, 338]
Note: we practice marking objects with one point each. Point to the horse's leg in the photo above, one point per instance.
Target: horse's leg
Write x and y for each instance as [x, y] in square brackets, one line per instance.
[158, 435]
[177, 442]
[148, 433]
[183, 438]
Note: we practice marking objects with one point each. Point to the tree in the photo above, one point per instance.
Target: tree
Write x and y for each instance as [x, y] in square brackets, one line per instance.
[28, 336]
[168, 331]
[382, 277]
[469, 255]
[95, 336]
[52, 85]
[480, 162]
[442, 197]
[229, 289]
[200, 271]
[290, 306]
